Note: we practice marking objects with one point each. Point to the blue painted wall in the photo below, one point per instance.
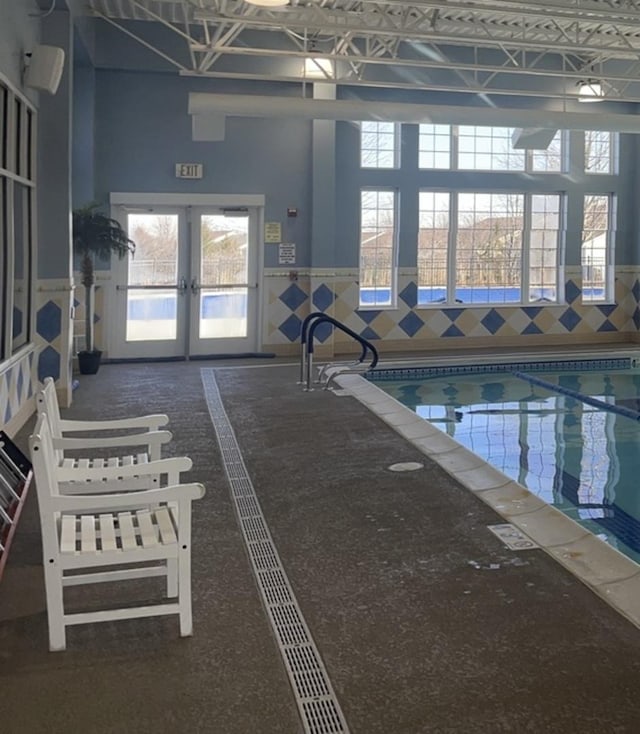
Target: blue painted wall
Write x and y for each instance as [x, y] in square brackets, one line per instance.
[83, 125]
[143, 130]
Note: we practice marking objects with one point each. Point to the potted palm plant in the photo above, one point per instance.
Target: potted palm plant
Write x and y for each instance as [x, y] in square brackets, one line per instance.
[95, 235]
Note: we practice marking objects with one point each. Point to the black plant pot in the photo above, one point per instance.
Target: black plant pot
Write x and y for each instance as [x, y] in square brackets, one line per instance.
[89, 362]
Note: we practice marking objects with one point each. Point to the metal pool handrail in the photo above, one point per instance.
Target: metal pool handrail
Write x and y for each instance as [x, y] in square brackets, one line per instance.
[303, 338]
[307, 346]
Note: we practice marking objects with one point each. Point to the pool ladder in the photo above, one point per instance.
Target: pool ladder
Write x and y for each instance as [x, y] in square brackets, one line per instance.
[309, 326]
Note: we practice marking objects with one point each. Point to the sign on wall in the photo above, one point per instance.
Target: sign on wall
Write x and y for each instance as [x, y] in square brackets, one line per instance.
[189, 170]
[272, 232]
[287, 253]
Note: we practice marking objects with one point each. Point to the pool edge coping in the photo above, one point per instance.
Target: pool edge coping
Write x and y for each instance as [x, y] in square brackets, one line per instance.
[610, 574]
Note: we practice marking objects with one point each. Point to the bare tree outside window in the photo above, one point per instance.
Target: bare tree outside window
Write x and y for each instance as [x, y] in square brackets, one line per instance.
[489, 247]
[433, 246]
[549, 160]
[434, 146]
[544, 240]
[599, 151]
[224, 242]
[596, 241]
[156, 259]
[378, 144]
[377, 247]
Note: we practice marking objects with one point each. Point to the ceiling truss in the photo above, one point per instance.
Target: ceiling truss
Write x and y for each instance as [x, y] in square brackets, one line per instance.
[541, 48]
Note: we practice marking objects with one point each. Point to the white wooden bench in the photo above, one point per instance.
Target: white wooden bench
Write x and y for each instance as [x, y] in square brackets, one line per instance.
[142, 432]
[142, 533]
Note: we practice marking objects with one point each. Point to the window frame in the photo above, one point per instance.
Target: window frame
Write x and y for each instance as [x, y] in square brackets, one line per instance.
[393, 295]
[17, 172]
[396, 131]
[528, 153]
[608, 297]
[525, 273]
[614, 157]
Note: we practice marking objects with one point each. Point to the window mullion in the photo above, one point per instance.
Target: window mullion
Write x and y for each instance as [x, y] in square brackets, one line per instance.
[453, 146]
[451, 247]
[525, 291]
[9, 262]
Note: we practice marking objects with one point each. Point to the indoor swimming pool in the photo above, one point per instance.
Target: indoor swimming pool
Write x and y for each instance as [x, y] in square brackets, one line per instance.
[571, 437]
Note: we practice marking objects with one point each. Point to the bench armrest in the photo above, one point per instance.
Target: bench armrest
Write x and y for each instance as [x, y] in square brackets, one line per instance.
[95, 503]
[150, 422]
[150, 438]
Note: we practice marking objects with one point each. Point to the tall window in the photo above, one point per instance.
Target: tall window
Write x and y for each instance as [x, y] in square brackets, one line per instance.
[544, 247]
[598, 247]
[378, 147]
[433, 246]
[377, 248]
[489, 248]
[600, 151]
[17, 184]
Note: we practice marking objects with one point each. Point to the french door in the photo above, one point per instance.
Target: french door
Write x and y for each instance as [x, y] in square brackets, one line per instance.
[191, 287]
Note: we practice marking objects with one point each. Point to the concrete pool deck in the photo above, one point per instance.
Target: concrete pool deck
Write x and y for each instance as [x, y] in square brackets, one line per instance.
[425, 621]
[609, 573]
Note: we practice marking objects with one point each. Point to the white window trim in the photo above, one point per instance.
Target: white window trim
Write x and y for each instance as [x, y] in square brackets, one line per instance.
[394, 254]
[608, 298]
[396, 150]
[454, 160]
[614, 157]
[526, 242]
[7, 351]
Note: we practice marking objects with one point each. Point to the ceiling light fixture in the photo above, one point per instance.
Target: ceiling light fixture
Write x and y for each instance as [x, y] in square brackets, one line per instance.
[590, 90]
[268, 3]
[318, 68]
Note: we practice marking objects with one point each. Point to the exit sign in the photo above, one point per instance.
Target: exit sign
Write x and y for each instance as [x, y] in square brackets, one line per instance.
[188, 170]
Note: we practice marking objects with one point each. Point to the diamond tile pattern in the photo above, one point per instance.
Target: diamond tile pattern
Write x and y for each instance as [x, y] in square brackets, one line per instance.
[16, 387]
[293, 297]
[493, 321]
[569, 319]
[322, 298]
[49, 321]
[291, 327]
[49, 364]
[411, 324]
[288, 304]
[571, 291]
[409, 295]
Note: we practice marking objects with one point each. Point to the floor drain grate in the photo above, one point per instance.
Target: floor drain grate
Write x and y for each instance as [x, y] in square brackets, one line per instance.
[315, 697]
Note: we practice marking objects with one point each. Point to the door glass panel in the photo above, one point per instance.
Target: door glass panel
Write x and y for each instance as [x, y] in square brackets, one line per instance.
[152, 312]
[223, 276]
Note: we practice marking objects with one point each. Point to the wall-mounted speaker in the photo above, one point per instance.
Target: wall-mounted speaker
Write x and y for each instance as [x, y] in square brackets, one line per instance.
[45, 68]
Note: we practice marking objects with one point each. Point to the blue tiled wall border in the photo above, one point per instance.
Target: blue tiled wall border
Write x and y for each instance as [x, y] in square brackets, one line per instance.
[564, 365]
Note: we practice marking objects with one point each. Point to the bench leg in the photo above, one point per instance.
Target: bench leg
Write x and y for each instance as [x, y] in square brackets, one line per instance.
[172, 577]
[55, 607]
[184, 592]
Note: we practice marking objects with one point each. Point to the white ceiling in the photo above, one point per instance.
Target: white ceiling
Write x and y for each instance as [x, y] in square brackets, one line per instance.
[539, 48]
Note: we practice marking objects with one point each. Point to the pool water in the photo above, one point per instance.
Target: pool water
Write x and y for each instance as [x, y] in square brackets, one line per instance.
[582, 459]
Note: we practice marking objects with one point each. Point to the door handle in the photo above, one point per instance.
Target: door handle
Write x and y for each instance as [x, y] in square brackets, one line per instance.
[182, 285]
[194, 286]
